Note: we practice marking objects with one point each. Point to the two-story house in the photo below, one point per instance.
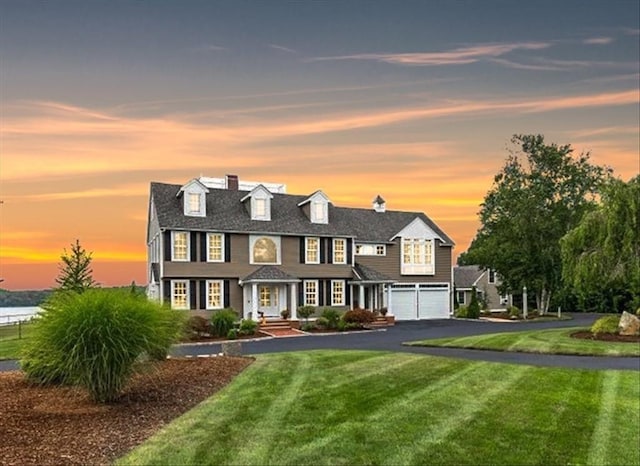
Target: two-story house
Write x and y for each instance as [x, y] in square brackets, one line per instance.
[221, 242]
[485, 281]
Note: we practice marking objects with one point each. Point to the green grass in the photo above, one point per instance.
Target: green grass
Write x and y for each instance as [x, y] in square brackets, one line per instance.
[553, 341]
[12, 339]
[357, 407]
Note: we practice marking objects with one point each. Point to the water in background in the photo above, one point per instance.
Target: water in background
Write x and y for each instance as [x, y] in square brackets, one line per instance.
[10, 315]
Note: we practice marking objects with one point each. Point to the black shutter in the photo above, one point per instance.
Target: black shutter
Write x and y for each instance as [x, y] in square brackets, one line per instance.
[301, 294]
[167, 246]
[227, 247]
[167, 291]
[349, 250]
[347, 294]
[328, 292]
[193, 246]
[330, 253]
[226, 300]
[203, 294]
[320, 292]
[302, 250]
[203, 247]
[321, 245]
[192, 294]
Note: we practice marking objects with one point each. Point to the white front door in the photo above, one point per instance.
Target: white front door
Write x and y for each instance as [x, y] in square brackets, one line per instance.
[268, 300]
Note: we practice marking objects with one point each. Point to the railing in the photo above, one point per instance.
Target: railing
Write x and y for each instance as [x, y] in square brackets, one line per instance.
[12, 326]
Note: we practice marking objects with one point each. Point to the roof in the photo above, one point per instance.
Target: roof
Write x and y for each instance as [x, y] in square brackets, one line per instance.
[362, 273]
[270, 273]
[226, 213]
[466, 276]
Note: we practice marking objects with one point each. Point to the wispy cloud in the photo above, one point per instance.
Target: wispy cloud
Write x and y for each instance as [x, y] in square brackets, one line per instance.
[631, 31]
[526, 66]
[282, 48]
[210, 48]
[458, 56]
[598, 40]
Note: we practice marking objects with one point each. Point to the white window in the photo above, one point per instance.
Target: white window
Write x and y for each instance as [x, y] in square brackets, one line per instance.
[460, 297]
[264, 249]
[312, 250]
[311, 292]
[492, 276]
[268, 296]
[261, 208]
[337, 292]
[179, 294]
[319, 212]
[180, 250]
[214, 294]
[417, 256]
[339, 251]
[194, 203]
[215, 247]
[371, 250]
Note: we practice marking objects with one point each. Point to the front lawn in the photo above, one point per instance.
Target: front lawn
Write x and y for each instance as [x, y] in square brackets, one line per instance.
[554, 341]
[357, 407]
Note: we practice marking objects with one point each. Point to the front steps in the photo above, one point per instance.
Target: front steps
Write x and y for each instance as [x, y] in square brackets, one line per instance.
[278, 324]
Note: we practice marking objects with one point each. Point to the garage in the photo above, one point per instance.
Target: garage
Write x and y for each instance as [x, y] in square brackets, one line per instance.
[418, 301]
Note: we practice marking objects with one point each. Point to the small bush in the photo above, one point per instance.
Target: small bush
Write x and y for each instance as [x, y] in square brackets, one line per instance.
[306, 311]
[322, 323]
[461, 312]
[248, 327]
[232, 334]
[473, 311]
[222, 321]
[308, 327]
[513, 311]
[285, 313]
[332, 317]
[358, 316]
[197, 326]
[93, 339]
[607, 324]
[342, 325]
[383, 311]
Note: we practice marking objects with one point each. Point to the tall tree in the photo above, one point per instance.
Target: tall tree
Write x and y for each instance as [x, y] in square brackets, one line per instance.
[601, 256]
[539, 195]
[75, 270]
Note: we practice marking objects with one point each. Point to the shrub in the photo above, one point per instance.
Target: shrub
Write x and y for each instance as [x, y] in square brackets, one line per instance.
[513, 311]
[473, 311]
[332, 316]
[358, 316]
[462, 312]
[322, 323]
[306, 311]
[308, 327]
[197, 326]
[607, 324]
[383, 311]
[222, 321]
[248, 327]
[93, 339]
[285, 313]
[232, 334]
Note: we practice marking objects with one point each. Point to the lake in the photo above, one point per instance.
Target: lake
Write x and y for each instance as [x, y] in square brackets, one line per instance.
[9, 315]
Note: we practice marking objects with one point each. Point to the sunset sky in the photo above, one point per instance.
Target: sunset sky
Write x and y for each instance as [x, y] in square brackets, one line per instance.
[413, 100]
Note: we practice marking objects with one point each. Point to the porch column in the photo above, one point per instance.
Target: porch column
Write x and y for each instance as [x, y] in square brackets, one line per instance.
[389, 301]
[254, 301]
[361, 296]
[294, 300]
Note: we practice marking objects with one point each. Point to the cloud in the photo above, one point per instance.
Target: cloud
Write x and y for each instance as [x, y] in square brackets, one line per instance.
[210, 48]
[598, 40]
[282, 48]
[459, 56]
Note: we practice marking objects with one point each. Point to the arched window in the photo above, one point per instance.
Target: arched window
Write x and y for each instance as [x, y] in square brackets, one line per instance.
[265, 251]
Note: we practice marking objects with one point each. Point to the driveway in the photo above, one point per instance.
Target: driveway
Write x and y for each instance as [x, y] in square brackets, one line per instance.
[391, 339]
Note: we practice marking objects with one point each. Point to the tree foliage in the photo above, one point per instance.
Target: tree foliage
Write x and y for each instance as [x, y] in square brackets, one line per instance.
[75, 271]
[601, 256]
[539, 195]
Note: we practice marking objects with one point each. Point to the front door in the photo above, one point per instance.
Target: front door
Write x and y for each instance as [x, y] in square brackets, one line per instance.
[268, 300]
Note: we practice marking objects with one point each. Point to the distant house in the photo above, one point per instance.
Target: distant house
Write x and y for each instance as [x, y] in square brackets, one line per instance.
[222, 242]
[486, 282]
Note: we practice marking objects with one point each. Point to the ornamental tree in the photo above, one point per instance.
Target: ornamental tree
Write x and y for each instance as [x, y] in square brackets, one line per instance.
[75, 270]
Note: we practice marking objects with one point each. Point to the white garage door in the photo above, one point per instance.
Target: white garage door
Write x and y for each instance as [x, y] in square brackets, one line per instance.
[420, 301]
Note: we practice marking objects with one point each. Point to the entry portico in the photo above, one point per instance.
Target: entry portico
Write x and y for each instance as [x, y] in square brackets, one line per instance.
[269, 290]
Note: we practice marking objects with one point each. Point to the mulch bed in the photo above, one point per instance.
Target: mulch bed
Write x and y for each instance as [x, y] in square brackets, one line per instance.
[61, 425]
[587, 335]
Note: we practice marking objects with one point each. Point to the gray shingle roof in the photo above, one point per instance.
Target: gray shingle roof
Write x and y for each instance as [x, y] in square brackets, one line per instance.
[362, 273]
[269, 273]
[226, 213]
[465, 276]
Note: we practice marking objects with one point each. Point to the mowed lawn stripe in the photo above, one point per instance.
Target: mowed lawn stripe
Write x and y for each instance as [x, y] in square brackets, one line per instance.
[602, 433]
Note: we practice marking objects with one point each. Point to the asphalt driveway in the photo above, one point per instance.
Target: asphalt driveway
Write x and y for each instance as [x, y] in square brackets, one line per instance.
[391, 339]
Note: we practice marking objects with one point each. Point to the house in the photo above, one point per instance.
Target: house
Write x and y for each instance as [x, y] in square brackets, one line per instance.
[486, 282]
[222, 242]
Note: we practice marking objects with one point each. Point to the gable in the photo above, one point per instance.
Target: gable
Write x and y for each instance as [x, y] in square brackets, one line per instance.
[417, 229]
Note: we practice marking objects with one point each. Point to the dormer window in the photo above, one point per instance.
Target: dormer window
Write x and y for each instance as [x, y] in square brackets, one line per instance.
[194, 198]
[258, 203]
[316, 207]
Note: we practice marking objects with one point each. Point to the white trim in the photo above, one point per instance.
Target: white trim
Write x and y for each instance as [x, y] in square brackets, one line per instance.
[417, 229]
[187, 304]
[315, 293]
[344, 251]
[222, 251]
[208, 294]
[422, 266]
[187, 257]
[367, 249]
[344, 291]
[306, 250]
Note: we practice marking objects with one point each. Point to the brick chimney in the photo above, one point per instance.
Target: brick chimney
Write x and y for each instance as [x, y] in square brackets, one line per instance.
[232, 182]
